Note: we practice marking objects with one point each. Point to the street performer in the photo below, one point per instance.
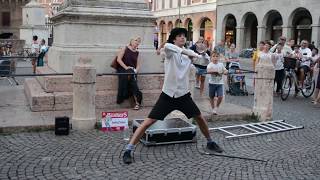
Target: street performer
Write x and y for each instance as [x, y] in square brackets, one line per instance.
[175, 92]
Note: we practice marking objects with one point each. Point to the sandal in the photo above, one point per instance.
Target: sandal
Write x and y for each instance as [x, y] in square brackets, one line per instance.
[136, 107]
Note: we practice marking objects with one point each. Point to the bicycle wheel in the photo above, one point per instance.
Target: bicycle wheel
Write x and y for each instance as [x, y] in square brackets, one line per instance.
[308, 88]
[286, 87]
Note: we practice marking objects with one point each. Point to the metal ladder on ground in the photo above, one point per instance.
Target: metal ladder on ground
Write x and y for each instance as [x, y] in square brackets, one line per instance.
[257, 128]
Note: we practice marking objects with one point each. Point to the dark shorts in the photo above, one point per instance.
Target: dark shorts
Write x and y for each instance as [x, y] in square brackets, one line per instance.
[215, 90]
[166, 104]
[305, 68]
[201, 72]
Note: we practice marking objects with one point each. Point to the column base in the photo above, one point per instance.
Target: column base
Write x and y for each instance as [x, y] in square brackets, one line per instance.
[83, 124]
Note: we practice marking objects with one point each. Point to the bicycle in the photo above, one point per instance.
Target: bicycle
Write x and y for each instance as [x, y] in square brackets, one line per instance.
[291, 79]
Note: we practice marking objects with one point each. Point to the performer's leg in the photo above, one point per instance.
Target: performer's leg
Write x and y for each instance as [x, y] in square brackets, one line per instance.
[202, 81]
[205, 131]
[140, 131]
[161, 109]
[191, 110]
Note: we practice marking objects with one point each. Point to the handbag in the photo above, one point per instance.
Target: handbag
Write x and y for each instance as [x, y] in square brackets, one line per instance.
[114, 64]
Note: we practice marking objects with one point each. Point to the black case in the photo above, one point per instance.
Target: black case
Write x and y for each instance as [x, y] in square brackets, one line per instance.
[62, 126]
[168, 131]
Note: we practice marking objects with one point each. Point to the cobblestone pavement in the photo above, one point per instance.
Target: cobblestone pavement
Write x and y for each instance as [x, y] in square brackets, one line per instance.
[96, 155]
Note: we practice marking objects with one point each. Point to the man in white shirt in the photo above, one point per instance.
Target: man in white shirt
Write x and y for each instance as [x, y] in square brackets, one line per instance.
[286, 50]
[175, 92]
[305, 61]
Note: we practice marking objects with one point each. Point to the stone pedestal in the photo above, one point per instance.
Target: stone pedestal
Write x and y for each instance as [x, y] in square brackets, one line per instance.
[84, 91]
[33, 23]
[263, 94]
[97, 29]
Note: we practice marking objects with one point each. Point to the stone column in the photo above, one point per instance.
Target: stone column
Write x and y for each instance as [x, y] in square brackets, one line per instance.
[84, 90]
[287, 32]
[316, 34]
[240, 37]
[261, 34]
[263, 93]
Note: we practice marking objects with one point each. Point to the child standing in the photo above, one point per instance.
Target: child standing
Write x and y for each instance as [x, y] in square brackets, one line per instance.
[278, 61]
[216, 70]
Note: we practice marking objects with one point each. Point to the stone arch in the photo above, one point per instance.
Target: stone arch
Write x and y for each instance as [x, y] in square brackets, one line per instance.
[229, 31]
[273, 22]
[301, 20]
[250, 24]
[170, 26]
[206, 27]
[188, 24]
[178, 23]
[163, 31]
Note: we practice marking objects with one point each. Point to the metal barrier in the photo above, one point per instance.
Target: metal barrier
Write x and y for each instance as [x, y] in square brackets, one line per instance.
[8, 66]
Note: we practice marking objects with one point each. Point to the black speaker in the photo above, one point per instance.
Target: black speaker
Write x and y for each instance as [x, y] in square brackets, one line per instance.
[62, 126]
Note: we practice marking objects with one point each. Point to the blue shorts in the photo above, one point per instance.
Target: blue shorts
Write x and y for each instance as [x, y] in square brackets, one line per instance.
[201, 72]
[215, 90]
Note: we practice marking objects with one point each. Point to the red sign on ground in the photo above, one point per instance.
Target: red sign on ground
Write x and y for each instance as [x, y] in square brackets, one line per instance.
[114, 121]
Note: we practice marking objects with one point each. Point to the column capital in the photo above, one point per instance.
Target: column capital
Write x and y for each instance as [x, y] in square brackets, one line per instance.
[240, 27]
[261, 27]
[288, 27]
[315, 25]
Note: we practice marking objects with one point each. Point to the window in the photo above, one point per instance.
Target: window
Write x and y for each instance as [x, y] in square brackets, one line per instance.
[188, 2]
[6, 19]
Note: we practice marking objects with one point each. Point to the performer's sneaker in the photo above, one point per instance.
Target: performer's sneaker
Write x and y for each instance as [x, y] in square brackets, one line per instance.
[214, 147]
[127, 159]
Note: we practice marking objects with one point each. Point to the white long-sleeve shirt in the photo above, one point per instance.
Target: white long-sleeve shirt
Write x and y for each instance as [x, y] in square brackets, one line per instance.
[176, 68]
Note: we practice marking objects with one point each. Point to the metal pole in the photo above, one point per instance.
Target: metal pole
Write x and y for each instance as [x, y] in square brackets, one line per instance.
[179, 6]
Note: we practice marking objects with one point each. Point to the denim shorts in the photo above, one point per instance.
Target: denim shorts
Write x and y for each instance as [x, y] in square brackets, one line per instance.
[215, 90]
[201, 72]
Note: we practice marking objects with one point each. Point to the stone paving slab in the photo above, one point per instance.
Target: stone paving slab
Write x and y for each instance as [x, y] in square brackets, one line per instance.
[15, 113]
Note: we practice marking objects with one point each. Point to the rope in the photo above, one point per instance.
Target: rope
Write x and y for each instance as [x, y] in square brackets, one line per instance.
[229, 156]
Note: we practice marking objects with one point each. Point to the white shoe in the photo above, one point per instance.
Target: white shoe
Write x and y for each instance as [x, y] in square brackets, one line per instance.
[214, 112]
[197, 86]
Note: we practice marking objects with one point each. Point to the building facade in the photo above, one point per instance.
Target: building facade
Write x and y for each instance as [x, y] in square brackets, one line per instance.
[11, 15]
[11, 18]
[197, 16]
[246, 22]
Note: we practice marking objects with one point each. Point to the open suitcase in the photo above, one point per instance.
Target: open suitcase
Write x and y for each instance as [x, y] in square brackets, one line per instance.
[168, 131]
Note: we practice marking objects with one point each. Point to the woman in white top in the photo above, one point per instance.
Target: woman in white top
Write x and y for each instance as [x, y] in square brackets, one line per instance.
[278, 60]
[265, 56]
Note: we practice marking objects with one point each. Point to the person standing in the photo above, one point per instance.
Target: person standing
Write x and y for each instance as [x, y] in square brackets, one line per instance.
[35, 50]
[278, 61]
[201, 65]
[256, 54]
[305, 62]
[43, 51]
[129, 63]
[198, 65]
[265, 56]
[175, 92]
[216, 70]
[231, 55]
[316, 96]
[286, 50]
